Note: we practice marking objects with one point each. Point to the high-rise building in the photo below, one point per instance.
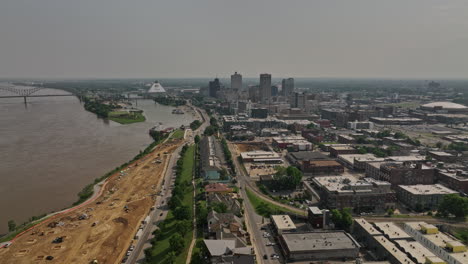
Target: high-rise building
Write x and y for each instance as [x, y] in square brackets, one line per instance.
[274, 90]
[298, 100]
[288, 86]
[214, 88]
[236, 81]
[265, 87]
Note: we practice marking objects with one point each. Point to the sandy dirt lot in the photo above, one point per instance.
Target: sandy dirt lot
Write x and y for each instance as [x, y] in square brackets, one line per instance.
[251, 146]
[111, 223]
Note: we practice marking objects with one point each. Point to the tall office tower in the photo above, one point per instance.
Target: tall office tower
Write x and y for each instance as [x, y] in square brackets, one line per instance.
[288, 86]
[214, 87]
[298, 100]
[274, 90]
[236, 81]
[265, 87]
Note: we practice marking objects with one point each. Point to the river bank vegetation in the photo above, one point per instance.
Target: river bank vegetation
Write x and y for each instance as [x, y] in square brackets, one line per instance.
[112, 111]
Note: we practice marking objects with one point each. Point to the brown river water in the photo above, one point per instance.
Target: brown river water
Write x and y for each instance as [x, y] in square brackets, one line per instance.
[52, 148]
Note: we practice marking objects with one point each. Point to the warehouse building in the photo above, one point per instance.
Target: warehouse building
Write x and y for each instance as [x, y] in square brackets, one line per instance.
[282, 223]
[261, 156]
[361, 195]
[423, 196]
[454, 179]
[340, 149]
[444, 246]
[296, 143]
[315, 246]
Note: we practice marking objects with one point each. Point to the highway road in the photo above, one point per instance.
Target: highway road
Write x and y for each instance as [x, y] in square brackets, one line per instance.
[161, 209]
[158, 214]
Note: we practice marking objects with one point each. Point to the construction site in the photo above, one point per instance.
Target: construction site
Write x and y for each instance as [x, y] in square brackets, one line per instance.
[103, 228]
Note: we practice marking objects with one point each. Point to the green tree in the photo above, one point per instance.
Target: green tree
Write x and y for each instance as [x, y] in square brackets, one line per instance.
[210, 130]
[287, 178]
[195, 124]
[390, 211]
[11, 226]
[176, 242]
[171, 257]
[183, 227]
[220, 207]
[224, 175]
[213, 122]
[342, 218]
[399, 135]
[453, 204]
[197, 139]
[182, 213]
[311, 125]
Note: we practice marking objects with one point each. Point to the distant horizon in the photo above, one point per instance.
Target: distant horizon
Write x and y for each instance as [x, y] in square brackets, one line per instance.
[108, 39]
[228, 77]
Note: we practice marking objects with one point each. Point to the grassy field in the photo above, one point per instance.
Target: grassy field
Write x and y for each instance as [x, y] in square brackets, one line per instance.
[462, 234]
[162, 248]
[123, 117]
[268, 208]
[179, 133]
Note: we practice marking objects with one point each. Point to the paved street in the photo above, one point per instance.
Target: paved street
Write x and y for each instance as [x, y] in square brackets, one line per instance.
[159, 214]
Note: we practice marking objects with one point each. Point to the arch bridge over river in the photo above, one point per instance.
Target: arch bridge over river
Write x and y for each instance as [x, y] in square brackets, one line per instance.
[25, 92]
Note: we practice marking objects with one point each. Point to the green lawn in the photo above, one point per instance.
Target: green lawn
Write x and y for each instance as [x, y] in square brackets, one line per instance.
[161, 250]
[271, 208]
[179, 133]
[124, 117]
[462, 234]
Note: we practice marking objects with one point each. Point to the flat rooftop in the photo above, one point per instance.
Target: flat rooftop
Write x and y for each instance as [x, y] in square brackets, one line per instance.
[309, 155]
[323, 163]
[392, 231]
[416, 250]
[407, 158]
[259, 154]
[283, 222]
[429, 189]
[345, 147]
[315, 210]
[319, 241]
[441, 153]
[393, 250]
[370, 229]
[350, 158]
[348, 184]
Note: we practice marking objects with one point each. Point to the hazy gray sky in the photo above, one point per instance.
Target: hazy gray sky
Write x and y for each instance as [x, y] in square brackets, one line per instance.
[202, 38]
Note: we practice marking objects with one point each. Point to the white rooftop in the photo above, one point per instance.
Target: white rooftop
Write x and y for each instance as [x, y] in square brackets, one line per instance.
[446, 105]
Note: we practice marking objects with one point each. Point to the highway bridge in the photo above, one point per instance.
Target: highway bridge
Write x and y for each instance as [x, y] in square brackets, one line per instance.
[26, 92]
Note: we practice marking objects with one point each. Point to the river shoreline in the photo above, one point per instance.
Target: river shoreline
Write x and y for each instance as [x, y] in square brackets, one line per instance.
[48, 178]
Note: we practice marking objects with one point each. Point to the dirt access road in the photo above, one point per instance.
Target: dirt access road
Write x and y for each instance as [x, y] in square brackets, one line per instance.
[114, 225]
